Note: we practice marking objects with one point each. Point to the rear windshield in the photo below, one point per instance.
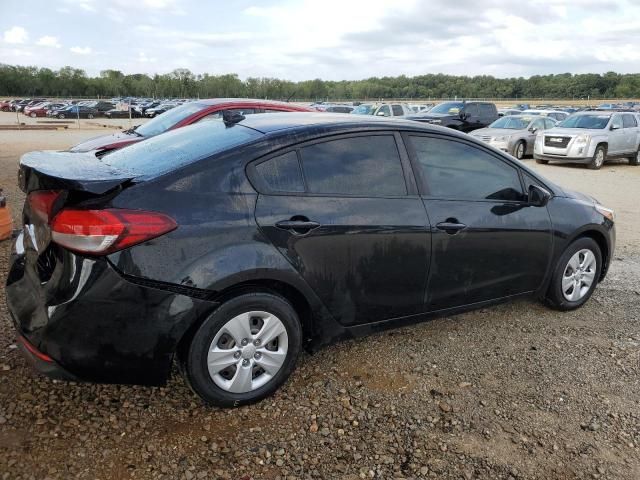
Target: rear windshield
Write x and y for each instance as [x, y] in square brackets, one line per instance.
[164, 122]
[179, 147]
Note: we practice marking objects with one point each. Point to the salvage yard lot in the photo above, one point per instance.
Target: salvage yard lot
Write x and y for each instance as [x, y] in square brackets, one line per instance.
[515, 391]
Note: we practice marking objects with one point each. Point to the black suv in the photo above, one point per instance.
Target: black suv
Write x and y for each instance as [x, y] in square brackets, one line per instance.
[463, 116]
[230, 245]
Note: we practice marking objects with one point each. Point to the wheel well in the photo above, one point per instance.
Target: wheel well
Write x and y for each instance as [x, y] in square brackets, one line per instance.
[604, 144]
[291, 294]
[600, 239]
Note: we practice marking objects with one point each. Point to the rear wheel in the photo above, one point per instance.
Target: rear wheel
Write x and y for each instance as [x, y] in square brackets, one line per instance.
[244, 350]
[32, 115]
[576, 275]
[61, 115]
[635, 159]
[598, 158]
[90, 116]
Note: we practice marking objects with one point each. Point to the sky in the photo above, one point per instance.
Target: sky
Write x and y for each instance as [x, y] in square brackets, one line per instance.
[328, 39]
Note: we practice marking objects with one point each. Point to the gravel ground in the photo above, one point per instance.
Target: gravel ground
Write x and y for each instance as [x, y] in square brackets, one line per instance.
[516, 391]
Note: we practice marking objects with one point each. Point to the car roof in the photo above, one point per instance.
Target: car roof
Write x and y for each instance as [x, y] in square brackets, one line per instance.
[218, 101]
[276, 122]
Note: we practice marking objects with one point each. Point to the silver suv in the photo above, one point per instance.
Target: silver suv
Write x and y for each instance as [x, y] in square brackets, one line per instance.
[591, 138]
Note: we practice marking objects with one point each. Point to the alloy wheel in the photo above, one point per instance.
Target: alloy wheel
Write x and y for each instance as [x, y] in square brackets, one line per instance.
[579, 275]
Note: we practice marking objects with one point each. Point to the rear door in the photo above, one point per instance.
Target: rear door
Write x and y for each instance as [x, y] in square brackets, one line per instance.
[346, 214]
[487, 242]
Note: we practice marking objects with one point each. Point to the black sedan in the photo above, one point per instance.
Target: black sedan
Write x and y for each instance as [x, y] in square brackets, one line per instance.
[75, 111]
[228, 245]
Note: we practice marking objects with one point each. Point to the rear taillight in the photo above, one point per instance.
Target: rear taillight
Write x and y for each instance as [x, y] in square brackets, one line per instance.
[98, 232]
[41, 203]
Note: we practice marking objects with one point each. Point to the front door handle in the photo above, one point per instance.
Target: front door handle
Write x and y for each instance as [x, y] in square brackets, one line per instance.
[300, 226]
[451, 226]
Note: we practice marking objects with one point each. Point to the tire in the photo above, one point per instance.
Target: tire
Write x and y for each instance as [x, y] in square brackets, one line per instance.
[61, 115]
[90, 116]
[32, 115]
[217, 388]
[560, 298]
[520, 149]
[599, 156]
[542, 162]
[635, 159]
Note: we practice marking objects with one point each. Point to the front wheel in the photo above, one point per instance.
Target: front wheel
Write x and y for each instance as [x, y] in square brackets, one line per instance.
[598, 158]
[61, 115]
[519, 150]
[244, 351]
[32, 115]
[90, 116]
[576, 275]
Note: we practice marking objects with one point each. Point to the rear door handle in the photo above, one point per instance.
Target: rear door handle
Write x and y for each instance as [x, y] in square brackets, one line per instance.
[451, 227]
[297, 226]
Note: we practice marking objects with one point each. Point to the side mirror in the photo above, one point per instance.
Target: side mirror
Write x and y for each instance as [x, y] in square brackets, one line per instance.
[533, 129]
[380, 114]
[538, 196]
[462, 115]
[613, 127]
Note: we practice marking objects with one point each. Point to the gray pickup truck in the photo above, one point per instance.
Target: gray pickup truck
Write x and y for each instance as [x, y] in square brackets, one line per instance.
[591, 138]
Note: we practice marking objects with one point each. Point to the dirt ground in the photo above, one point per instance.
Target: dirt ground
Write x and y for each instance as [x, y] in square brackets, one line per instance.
[516, 391]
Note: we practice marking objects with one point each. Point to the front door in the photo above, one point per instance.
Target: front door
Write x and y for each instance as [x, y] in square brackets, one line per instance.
[487, 241]
[346, 221]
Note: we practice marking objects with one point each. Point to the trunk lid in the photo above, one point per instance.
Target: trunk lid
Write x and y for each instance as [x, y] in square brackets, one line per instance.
[83, 172]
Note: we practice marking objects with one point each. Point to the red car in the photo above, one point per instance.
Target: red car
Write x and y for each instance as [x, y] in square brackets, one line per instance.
[5, 106]
[181, 116]
[40, 110]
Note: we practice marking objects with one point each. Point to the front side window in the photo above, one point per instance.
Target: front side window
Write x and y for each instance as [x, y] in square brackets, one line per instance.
[397, 110]
[629, 121]
[617, 121]
[455, 170]
[366, 166]
[384, 109]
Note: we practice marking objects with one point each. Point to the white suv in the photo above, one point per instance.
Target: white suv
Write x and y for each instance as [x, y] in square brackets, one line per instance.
[591, 138]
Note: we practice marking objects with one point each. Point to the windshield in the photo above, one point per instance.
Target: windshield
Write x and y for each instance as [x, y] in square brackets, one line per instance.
[363, 110]
[514, 123]
[448, 107]
[164, 122]
[179, 147]
[586, 121]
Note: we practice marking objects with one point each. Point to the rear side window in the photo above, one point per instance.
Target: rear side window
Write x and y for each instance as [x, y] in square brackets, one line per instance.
[629, 121]
[459, 171]
[397, 110]
[179, 147]
[366, 166]
[282, 173]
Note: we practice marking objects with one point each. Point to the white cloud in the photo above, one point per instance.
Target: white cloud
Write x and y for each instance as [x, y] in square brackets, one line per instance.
[16, 35]
[80, 50]
[48, 41]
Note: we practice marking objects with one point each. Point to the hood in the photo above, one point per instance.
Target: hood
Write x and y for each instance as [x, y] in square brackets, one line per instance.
[432, 115]
[583, 197]
[574, 131]
[495, 132]
[107, 142]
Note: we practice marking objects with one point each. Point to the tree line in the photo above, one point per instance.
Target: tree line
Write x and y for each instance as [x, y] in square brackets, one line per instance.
[182, 83]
